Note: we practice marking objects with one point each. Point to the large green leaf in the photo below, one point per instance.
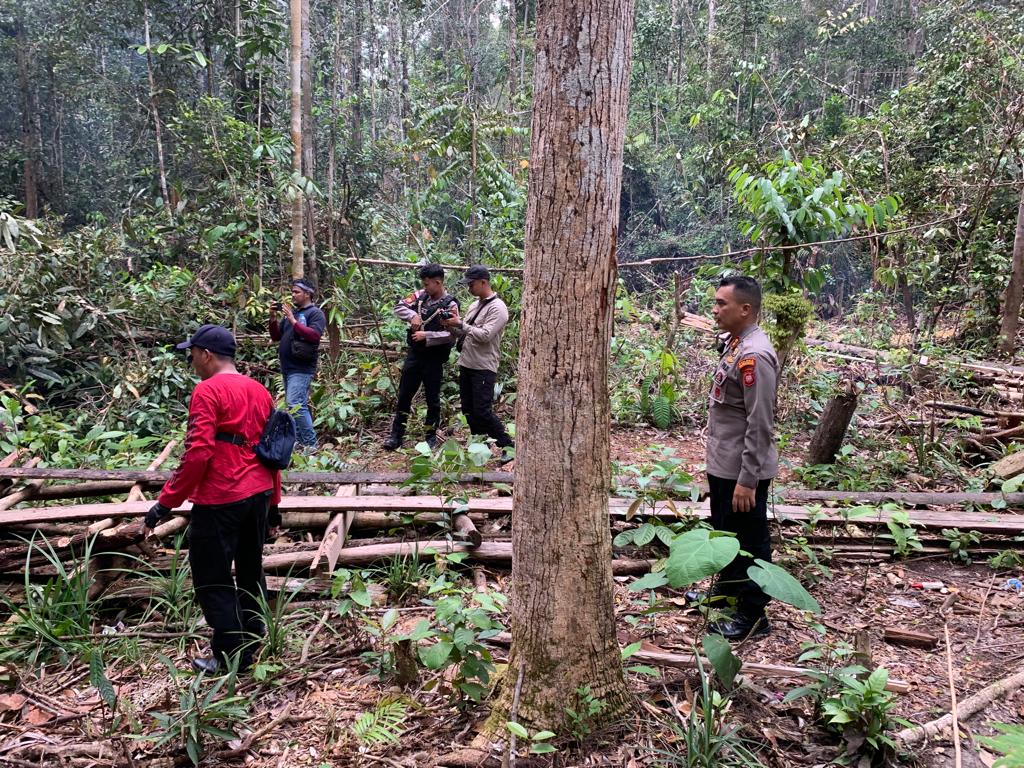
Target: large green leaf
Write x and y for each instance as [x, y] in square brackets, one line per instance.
[726, 663]
[695, 555]
[436, 656]
[778, 583]
[651, 580]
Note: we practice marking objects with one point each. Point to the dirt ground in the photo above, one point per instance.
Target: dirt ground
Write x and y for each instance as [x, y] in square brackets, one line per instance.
[303, 715]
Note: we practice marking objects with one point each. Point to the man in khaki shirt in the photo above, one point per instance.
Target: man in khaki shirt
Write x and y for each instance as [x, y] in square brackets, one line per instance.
[741, 455]
[479, 345]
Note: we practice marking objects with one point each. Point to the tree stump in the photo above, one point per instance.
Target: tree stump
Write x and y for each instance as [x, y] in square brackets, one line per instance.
[831, 429]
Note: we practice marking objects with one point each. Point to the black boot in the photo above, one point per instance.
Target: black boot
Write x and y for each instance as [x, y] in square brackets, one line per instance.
[742, 626]
[394, 440]
[432, 441]
[207, 665]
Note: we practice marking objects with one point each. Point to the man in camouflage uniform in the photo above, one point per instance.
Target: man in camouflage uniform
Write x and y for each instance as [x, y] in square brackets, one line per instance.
[430, 344]
[741, 455]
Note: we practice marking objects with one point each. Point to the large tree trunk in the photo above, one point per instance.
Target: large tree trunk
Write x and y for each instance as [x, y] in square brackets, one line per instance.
[1015, 290]
[155, 112]
[308, 145]
[356, 125]
[562, 617]
[332, 141]
[295, 52]
[30, 138]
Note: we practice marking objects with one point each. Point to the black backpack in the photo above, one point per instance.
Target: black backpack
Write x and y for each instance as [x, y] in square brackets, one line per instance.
[276, 443]
[274, 450]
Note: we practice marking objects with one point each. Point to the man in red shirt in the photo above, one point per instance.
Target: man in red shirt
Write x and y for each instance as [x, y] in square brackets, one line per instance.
[230, 491]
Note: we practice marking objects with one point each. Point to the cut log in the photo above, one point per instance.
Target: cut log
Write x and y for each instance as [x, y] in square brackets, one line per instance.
[1003, 435]
[831, 430]
[463, 528]
[305, 478]
[497, 552]
[136, 492]
[9, 461]
[86, 490]
[902, 636]
[335, 535]
[957, 408]
[1009, 466]
[910, 498]
[985, 522]
[30, 489]
[966, 708]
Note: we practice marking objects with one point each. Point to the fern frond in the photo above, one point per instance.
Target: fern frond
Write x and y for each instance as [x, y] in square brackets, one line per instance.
[381, 725]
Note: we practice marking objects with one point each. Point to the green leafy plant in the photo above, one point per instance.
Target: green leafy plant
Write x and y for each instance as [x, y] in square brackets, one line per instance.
[960, 543]
[847, 699]
[902, 534]
[280, 622]
[458, 636]
[585, 715]
[664, 480]
[203, 711]
[710, 741]
[697, 554]
[439, 472]
[1009, 743]
[55, 617]
[405, 574]
[383, 724]
[538, 740]
[349, 589]
[171, 599]
[1006, 560]
[860, 711]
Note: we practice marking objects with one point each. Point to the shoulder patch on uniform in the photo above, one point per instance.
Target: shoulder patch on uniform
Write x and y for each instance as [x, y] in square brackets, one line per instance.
[747, 363]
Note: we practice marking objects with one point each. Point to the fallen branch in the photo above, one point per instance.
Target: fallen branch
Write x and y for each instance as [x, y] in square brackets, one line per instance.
[966, 708]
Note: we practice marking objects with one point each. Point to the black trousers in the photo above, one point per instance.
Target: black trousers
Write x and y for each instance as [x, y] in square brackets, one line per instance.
[476, 393]
[219, 535]
[423, 365]
[751, 529]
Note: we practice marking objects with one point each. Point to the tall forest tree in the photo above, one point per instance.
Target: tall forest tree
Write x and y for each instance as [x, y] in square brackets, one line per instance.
[1015, 289]
[562, 618]
[295, 62]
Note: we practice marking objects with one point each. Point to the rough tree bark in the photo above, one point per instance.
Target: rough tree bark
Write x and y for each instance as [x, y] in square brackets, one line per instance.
[562, 618]
[1015, 289]
[308, 146]
[155, 111]
[835, 419]
[295, 60]
[30, 139]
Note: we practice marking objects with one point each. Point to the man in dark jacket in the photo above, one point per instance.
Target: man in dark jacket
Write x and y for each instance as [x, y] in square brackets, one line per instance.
[230, 491]
[299, 335]
[430, 344]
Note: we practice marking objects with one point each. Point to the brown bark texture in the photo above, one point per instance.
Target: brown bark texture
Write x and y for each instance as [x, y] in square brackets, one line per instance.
[295, 61]
[30, 139]
[562, 618]
[831, 430]
[1015, 289]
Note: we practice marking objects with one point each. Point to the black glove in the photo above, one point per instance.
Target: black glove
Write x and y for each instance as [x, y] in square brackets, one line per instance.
[274, 516]
[156, 513]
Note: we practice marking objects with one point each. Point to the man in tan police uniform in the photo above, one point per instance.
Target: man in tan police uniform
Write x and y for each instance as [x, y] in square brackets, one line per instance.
[741, 455]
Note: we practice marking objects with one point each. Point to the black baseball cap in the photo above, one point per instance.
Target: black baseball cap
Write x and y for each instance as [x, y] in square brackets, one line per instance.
[475, 272]
[215, 338]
